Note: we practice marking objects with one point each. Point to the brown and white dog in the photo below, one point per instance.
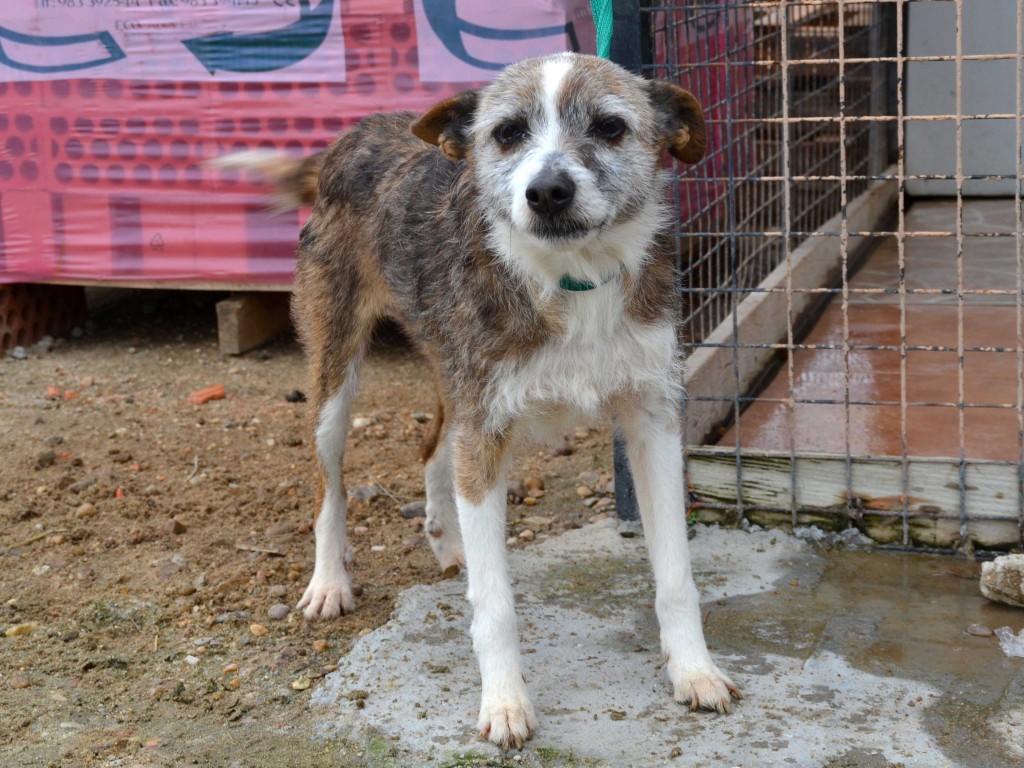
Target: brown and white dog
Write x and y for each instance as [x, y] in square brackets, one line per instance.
[518, 235]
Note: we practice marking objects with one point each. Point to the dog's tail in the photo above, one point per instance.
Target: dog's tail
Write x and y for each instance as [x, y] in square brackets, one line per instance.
[295, 179]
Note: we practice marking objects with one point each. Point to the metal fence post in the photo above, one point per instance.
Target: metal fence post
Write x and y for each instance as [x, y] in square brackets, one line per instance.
[630, 48]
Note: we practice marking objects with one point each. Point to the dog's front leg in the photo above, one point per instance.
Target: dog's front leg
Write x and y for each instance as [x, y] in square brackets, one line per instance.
[654, 448]
[506, 714]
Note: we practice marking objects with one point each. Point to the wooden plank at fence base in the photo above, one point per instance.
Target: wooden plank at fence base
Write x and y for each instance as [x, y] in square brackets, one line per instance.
[719, 371]
[245, 322]
[875, 499]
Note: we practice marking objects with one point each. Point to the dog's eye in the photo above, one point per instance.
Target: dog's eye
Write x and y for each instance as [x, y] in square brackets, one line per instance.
[609, 128]
[508, 134]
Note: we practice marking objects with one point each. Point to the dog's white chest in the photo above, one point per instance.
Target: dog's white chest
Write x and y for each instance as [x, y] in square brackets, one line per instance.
[571, 379]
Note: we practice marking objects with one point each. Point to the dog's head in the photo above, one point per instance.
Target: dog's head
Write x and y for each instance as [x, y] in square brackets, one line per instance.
[567, 147]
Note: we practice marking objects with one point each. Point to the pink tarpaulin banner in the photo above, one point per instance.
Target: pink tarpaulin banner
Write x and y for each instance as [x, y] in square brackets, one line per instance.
[109, 108]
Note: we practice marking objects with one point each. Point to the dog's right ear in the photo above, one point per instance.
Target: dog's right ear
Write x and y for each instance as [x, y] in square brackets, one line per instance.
[446, 125]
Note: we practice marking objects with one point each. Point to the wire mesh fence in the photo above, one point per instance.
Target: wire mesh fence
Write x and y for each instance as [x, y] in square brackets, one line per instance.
[851, 255]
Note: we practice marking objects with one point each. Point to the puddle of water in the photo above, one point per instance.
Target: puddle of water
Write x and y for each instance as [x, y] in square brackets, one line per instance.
[893, 615]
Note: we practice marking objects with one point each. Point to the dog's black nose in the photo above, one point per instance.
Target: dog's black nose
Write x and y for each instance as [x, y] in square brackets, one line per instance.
[550, 192]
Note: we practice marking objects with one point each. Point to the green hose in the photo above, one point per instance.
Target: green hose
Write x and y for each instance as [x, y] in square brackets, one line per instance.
[601, 10]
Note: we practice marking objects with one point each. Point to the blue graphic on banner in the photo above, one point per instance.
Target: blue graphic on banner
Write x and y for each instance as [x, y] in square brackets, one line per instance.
[449, 27]
[266, 51]
[63, 47]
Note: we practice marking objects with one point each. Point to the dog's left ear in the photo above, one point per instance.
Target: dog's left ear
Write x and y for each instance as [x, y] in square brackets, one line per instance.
[446, 125]
[682, 122]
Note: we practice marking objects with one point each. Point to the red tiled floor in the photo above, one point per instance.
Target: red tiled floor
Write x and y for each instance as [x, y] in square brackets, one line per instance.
[873, 376]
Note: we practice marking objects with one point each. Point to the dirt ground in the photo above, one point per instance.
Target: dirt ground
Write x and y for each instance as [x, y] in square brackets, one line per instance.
[151, 548]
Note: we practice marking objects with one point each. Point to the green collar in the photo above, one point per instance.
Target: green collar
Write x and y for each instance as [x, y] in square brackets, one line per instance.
[569, 283]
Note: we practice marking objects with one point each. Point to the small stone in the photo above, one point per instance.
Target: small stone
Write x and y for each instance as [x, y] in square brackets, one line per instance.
[19, 353]
[20, 681]
[258, 630]
[361, 422]
[510, 541]
[533, 483]
[530, 501]
[21, 629]
[278, 611]
[979, 630]
[295, 396]
[378, 548]
[277, 590]
[527, 535]
[301, 684]
[81, 485]
[1002, 580]
[591, 501]
[86, 510]
[53, 440]
[584, 491]
[175, 527]
[359, 530]
[363, 493]
[320, 645]
[588, 478]
[45, 459]
[422, 418]
[191, 660]
[413, 509]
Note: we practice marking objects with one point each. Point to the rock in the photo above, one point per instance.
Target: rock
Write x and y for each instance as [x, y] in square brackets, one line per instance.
[277, 590]
[20, 629]
[82, 484]
[361, 422]
[20, 681]
[527, 535]
[588, 478]
[295, 396]
[53, 440]
[584, 491]
[533, 483]
[45, 459]
[413, 509]
[19, 353]
[979, 630]
[363, 493]
[1002, 580]
[589, 502]
[359, 530]
[45, 344]
[278, 611]
[517, 492]
[258, 630]
[422, 418]
[191, 660]
[530, 501]
[175, 527]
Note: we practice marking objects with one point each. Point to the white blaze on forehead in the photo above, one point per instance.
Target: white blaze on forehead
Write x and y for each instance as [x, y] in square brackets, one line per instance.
[553, 74]
[545, 137]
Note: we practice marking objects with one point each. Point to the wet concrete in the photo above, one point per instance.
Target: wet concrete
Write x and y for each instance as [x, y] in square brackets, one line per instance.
[846, 659]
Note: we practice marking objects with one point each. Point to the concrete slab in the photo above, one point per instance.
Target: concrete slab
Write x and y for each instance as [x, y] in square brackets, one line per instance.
[845, 659]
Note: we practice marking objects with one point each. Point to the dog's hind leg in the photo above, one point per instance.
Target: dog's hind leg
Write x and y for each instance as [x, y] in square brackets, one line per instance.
[442, 524]
[506, 714]
[329, 593]
[335, 318]
[654, 448]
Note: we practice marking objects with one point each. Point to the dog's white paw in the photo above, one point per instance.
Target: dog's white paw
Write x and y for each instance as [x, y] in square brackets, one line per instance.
[703, 687]
[446, 542]
[507, 721]
[328, 595]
